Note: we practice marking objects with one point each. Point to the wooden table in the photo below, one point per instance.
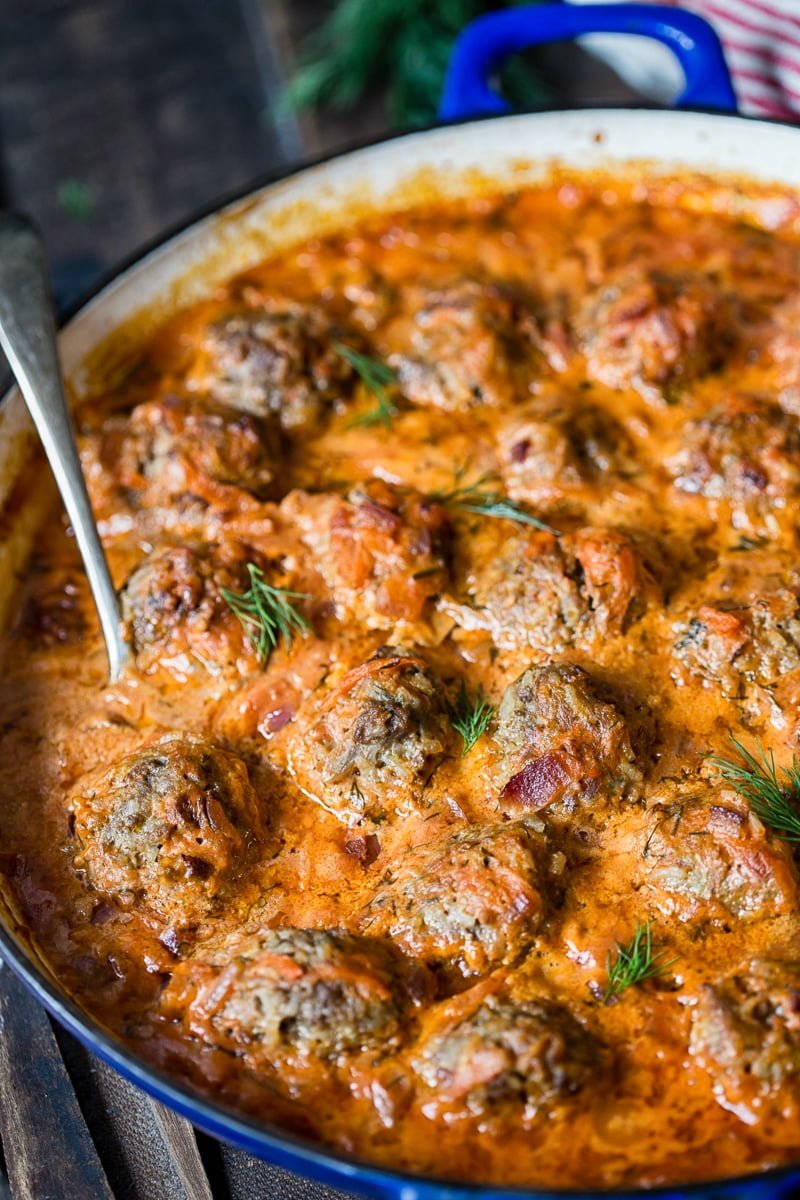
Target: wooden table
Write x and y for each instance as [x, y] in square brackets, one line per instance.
[118, 119]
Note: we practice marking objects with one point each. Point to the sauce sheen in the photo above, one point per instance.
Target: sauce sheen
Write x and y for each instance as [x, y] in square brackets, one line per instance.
[539, 451]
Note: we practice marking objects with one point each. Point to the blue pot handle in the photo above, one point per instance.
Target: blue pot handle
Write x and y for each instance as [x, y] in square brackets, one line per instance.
[485, 42]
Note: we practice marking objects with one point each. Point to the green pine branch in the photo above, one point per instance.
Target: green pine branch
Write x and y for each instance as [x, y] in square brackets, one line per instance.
[403, 47]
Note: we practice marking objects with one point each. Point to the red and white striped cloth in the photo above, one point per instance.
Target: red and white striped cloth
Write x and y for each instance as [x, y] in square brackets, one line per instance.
[762, 47]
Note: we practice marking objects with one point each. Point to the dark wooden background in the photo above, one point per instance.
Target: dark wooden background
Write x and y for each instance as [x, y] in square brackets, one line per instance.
[119, 119]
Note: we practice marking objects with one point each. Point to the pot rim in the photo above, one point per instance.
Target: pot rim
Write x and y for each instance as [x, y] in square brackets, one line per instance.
[288, 1150]
[238, 195]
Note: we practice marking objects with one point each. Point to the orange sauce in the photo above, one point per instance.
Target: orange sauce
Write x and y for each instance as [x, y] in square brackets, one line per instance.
[621, 370]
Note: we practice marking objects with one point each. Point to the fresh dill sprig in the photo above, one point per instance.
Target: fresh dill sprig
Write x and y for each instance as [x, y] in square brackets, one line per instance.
[487, 501]
[470, 716]
[376, 377]
[266, 613]
[636, 961]
[774, 801]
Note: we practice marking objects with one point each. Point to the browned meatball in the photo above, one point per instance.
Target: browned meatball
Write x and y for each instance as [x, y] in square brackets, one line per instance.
[471, 900]
[56, 608]
[703, 856]
[383, 551]
[177, 616]
[381, 733]
[746, 1033]
[496, 1058]
[276, 359]
[171, 827]
[547, 593]
[616, 581]
[183, 455]
[559, 742]
[743, 636]
[519, 589]
[560, 451]
[654, 331]
[462, 345]
[733, 647]
[288, 994]
[778, 342]
[746, 452]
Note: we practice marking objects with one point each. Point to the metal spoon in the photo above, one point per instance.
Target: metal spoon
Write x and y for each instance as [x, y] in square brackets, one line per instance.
[28, 337]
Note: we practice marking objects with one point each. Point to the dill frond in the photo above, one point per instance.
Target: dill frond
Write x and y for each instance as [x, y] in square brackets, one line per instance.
[487, 501]
[267, 613]
[774, 800]
[376, 377]
[470, 716]
[635, 962]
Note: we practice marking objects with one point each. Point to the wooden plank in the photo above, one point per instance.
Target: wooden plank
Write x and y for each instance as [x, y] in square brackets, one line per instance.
[178, 1137]
[148, 1154]
[118, 120]
[48, 1150]
[250, 1179]
[263, 21]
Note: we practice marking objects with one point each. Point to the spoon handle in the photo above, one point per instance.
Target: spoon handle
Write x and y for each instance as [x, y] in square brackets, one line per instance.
[28, 337]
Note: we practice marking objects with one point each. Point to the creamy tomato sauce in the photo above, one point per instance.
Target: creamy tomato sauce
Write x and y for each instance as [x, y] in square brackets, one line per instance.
[532, 461]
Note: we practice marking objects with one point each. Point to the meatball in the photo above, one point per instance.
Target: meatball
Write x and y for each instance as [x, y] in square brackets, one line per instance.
[492, 1057]
[617, 583]
[277, 359]
[704, 856]
[654, 332]
[288, 994]
[733, 647]
[743, 638]
[558, 742]
[383, 551]
[547, 593]
[381, 733]
[172, 826]
[461, 345]
[176, 613]
[55, 611]
[778, 342]
[472, 900]
[746, 1033]
[179, 454]
[746, 452]
[560, 452]
[519, 590]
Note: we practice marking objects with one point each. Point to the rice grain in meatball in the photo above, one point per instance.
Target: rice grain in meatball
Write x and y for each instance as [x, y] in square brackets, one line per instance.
[495, 1058]
[177, 616]
[294, 993]
[380, 736]
[471, 900]
[174, 826]
[558, 742]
